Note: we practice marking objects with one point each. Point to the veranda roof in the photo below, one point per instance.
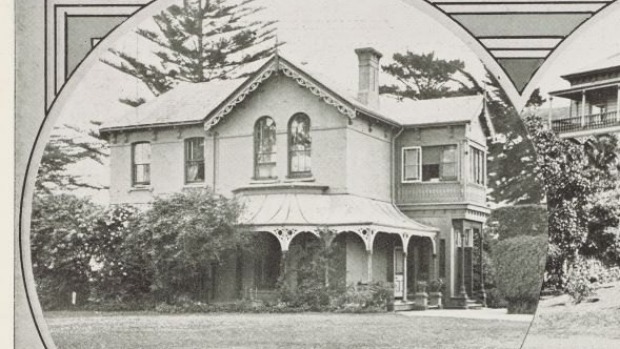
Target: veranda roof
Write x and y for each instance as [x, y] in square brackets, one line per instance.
[340, 212]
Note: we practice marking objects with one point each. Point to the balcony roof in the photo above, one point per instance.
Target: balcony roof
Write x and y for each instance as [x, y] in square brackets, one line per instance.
[608, 64]
[574, 92]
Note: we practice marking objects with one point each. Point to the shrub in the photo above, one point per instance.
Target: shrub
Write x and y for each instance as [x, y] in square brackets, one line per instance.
[437, 285]
[495, 299]
[512, 221]
[584, 275]
[374, 297]
[520, 264]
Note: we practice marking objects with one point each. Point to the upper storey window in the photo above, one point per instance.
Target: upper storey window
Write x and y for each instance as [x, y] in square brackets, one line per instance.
[194, 160]
[477, 166]
[430, 164]
[265, 148]
[411, 164]
[439, 163]
[141, 163]
[300, 160]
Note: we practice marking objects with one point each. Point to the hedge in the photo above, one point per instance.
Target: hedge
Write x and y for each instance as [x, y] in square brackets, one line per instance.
[520, 264]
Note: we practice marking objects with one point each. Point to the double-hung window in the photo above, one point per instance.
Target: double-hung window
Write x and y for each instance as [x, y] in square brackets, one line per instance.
[141, 163]
[477, 166]
[194, 160]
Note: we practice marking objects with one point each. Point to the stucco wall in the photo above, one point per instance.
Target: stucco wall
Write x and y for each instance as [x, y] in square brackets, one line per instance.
[280, 98]
[368, 159]
[167, 167]
[357, 265]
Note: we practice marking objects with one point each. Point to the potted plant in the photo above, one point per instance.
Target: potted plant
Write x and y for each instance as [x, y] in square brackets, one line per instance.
[435, 289]
[421, 297]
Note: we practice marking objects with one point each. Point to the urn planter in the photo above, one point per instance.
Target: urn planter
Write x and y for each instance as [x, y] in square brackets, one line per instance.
[434, 299]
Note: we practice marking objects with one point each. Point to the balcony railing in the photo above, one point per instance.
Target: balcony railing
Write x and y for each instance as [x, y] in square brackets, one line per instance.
[587, 122]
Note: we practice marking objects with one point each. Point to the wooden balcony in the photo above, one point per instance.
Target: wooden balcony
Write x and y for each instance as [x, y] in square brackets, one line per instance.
[441, 193]
[587, 125]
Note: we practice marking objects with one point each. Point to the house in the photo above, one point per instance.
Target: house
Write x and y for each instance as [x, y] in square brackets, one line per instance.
[401, 185]
[594, 96]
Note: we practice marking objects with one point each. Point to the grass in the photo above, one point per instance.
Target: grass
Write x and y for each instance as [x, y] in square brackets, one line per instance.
[592, 324]
[308, 330]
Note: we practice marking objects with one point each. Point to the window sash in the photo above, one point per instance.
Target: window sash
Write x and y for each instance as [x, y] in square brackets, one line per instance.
[440, 163]
[194, 160]
[300, 146]
[141, 163]
[478, 169]
[265, 149]
[411, 164]
[141, 174]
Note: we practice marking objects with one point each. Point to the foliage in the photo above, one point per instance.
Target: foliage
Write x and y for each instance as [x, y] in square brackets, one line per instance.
[512, 155]
[198, 41]
[424, 76]
[584, 275]
[560, 170]
[185, 235]
[313, 281]
[69, 145]
[519, 264]
[512, 221]
[61, 226]
[495, 298]
[437, 285]
[119, 273]
[603, 240]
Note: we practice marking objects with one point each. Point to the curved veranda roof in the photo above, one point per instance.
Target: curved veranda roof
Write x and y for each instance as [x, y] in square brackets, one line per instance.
[287, 214]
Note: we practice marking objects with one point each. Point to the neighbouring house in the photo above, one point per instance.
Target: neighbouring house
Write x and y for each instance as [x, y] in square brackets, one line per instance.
[594, 95]
[400, 184]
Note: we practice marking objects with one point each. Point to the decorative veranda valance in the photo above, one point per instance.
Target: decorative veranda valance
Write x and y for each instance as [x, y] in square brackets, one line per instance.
[287, 214]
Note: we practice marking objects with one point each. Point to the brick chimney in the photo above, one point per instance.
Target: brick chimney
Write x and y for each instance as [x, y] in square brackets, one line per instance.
[368, 90]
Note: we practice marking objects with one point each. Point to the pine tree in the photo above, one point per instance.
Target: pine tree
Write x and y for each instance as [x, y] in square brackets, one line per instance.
[424, 76]
[199, 41]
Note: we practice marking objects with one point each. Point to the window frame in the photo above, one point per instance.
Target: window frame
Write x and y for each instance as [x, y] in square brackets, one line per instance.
[186, 160]
[134, 182]
[290, 172]
[471, 175]
[257, 147]
[402, 162]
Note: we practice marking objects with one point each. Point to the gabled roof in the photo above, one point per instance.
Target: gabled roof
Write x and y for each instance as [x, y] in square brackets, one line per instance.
[209, 102]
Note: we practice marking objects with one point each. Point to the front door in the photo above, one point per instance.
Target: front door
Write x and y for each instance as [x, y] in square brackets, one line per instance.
[399, 277]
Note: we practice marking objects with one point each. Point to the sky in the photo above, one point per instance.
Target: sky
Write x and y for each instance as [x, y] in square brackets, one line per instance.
[322, 35]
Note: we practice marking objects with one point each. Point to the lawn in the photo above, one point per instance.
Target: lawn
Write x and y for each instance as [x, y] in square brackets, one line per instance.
[310, 330]
[561, 324]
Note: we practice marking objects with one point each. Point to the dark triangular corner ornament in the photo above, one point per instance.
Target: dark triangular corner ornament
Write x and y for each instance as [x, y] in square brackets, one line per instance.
[520, 36]
[520, 70]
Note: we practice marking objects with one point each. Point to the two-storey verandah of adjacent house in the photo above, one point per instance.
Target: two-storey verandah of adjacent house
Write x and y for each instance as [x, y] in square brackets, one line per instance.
[401, 186]
[594, 95]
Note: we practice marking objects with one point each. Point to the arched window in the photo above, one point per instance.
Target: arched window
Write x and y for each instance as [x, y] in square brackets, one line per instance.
[141, 163]
[299, 143]
[265, 148]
